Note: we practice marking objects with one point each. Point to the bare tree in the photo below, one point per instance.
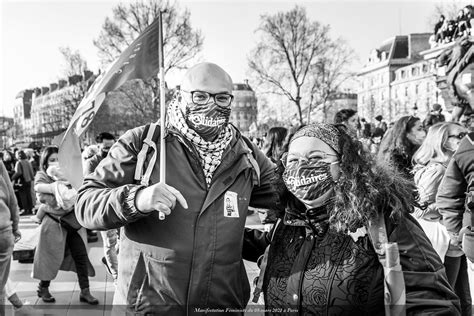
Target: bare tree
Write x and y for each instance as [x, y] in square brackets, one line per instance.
[328, 74]
[181, 42]
[289, 50]
[74, 63]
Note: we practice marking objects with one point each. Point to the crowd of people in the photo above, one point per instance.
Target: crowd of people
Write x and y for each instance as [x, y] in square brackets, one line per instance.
[449, 30]
[352, 210]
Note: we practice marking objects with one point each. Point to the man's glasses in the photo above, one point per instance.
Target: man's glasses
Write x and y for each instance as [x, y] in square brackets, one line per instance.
[458, 136]
[203, 97]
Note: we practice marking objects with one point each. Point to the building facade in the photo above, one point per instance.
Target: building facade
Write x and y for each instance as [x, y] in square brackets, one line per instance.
[396, 55]
[414, 89]
[40, 114]
[244, 107]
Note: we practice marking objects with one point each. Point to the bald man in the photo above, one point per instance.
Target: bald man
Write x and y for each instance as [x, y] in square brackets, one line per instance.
[191, 261]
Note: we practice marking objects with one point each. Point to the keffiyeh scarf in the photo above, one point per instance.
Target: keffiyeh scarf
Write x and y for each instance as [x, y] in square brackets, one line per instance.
[210, 152]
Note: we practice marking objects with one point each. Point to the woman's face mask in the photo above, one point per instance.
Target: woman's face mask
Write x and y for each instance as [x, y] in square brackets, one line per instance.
[311, 170]
[308, 180]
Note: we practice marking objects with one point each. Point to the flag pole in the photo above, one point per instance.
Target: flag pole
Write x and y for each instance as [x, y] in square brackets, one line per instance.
[162, 107]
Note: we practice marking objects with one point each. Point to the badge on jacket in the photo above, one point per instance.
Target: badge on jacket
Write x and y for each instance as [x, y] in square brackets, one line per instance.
[231, 208]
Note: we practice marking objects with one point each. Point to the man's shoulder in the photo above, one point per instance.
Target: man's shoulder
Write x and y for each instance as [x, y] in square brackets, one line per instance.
[466, 145]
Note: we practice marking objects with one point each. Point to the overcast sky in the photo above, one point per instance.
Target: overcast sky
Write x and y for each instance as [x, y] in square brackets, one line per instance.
[32, 31]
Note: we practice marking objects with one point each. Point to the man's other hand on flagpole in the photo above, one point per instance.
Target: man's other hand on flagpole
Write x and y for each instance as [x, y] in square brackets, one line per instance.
[159, 197]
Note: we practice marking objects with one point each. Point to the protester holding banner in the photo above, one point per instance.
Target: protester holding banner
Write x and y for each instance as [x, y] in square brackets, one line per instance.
[59, 247]
[193, 258]
[331, 252]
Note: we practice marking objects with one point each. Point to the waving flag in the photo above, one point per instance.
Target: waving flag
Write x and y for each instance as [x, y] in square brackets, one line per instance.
[140, 60]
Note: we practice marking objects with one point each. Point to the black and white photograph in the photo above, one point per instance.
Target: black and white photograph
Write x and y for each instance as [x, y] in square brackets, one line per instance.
[227, 157]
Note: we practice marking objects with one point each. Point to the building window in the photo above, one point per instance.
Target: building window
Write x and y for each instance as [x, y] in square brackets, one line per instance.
[406, 91]
[427, 87]
[425, 69]
[416, 89]
[382, 96]
[403, 74]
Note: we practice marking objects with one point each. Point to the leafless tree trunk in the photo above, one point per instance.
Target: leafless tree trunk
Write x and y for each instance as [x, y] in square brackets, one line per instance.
[296, 58]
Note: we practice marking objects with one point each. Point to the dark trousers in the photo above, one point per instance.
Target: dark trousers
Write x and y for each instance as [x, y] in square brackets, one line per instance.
[456, 271]
[79, 255]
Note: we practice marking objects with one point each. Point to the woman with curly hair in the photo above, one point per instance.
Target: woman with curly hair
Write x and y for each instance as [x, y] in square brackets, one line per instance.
[325, 255]
[400, 143]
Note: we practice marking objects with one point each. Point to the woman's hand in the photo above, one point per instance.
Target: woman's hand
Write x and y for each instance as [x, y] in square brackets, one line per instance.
[16, 235]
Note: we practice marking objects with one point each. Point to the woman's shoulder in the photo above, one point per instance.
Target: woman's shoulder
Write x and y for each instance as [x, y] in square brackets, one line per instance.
[42, 177]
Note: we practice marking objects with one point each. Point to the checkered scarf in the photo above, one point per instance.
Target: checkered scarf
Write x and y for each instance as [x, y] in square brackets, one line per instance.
[209, 152]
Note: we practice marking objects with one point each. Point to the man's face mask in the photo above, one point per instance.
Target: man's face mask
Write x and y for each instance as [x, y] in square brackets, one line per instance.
[208, 114]
[308, 180]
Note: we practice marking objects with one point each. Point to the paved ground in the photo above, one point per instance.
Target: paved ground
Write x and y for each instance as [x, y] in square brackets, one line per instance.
[65, 287]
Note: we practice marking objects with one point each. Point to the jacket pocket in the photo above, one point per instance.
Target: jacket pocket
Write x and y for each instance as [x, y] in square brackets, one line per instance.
[165, 282]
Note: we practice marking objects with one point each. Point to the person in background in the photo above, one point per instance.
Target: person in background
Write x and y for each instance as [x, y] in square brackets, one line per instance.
[434, 116]
[9, 162]
[380, 123]
[431, 160]
[109, 237]
[58, 248]
[375, 140]
[400, 143]
[438, 25]
[273, 149]
[457, 183]
[273, 144]
[24, 176]
[350, 119]
[322, 259]
[9, 231]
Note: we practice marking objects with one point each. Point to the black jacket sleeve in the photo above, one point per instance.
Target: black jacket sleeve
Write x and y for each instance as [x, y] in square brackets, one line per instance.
[457, 181]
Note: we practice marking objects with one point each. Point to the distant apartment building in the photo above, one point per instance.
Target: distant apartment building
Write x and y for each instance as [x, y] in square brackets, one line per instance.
[244, 107]
[42, 113]
[414, 89]
[22, 115]
[6, 131]
[397, 80]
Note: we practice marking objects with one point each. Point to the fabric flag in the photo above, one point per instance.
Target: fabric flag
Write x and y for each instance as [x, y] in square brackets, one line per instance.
[139, 61]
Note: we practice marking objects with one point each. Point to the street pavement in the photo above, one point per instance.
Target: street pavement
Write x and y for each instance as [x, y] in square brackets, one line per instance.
[65, 287]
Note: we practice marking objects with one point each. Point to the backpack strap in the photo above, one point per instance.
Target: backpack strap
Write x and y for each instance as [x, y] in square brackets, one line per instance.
[148, 142]
[252, 160]
[263, 266]
[389, 258]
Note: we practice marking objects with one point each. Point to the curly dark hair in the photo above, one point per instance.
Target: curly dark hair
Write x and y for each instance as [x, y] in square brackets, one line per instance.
[343, 115]
[363, 190]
